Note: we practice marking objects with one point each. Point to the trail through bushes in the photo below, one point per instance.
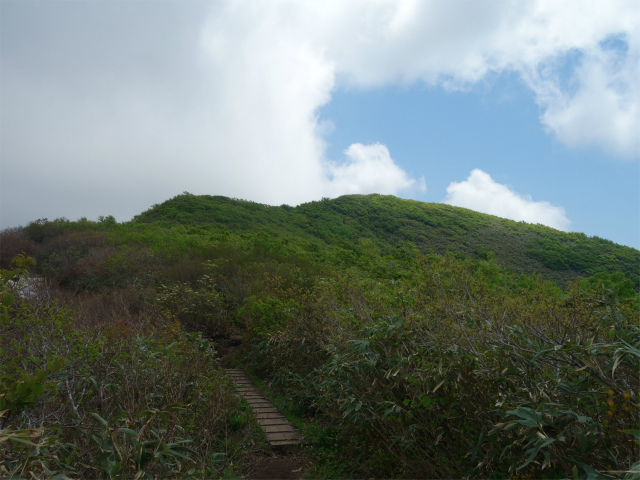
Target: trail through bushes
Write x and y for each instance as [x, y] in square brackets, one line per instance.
[462, 370]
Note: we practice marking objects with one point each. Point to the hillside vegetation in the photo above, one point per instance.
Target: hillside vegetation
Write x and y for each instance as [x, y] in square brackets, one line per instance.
[353, 226]
[405, 339]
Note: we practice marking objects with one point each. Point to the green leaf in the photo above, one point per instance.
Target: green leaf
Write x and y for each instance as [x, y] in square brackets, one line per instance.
[541, 352]
[21, 440]
[438, 386]
[175, 453]
[388, 412]
[99, 418]
[7, 299]
[129, 432]
[633, 432]
[528, 417]
[535, 451]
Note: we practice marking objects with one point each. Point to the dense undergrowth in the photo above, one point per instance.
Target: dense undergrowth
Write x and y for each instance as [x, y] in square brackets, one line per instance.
[397, 358]
[96, 397]
[460, 371]
[380, 234]
[351, 228]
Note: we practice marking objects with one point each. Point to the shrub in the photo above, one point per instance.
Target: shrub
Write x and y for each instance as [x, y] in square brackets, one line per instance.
[460, 362]
[126, 400]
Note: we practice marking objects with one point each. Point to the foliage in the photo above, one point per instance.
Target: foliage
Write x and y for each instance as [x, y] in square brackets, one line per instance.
[378, 234]
[200, 308]
[412, 339]
[397, 228]
[117, 400]
[414, 375]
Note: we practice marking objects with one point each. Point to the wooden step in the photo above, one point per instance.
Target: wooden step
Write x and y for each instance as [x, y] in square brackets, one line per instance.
[279, 430]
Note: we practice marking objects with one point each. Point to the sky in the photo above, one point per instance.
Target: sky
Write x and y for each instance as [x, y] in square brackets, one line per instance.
[528, 110]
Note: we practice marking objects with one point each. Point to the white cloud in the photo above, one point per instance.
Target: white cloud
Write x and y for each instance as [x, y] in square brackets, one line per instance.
[481, 193]
[276, 63]
[267, 85]
[455, 44]
[604, 110]
[159, 97]
[369, 169]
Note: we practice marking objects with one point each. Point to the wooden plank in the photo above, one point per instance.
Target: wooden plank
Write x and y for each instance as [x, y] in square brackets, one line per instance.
[273, 421]
[283, 436]
[255, 405]
[260, 410]
[282, 443]
[269, 415]
[259, 402]
[254, 396]
[265, 409]
[280, 429]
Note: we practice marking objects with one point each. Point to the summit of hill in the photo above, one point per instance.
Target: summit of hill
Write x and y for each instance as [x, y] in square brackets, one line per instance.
[399, 228]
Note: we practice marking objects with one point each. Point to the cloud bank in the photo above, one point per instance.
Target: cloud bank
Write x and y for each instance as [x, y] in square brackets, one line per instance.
[152, 98]
[369, 168]
[481, 193]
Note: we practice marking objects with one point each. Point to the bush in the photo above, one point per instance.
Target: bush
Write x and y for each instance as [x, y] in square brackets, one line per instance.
[125, 400]
[463, 370]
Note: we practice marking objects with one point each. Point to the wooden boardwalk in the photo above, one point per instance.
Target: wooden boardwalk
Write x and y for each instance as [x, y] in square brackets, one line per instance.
[278, 429]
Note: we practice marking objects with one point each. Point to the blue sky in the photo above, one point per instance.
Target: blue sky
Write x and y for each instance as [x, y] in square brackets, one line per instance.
[528, 110]
[494, 127]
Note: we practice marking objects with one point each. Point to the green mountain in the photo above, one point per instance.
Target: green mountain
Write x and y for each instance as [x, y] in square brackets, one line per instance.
[353, 226]
[404, 339]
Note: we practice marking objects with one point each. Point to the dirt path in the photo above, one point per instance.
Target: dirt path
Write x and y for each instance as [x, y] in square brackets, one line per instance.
[279, 466]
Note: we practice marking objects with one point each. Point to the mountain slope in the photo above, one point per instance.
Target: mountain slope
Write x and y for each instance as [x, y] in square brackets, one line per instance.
[396, 228]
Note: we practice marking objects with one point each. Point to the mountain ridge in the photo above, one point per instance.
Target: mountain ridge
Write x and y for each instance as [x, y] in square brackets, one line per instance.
[393, 225]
